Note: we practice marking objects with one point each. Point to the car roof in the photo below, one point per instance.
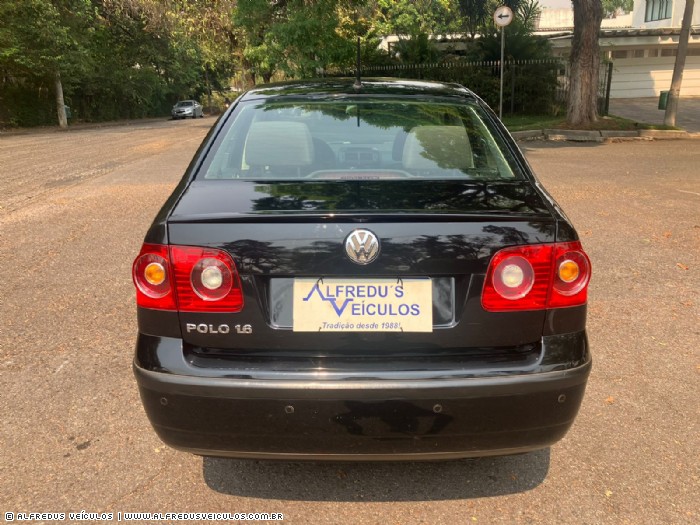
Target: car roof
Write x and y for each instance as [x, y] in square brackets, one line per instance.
[346, 86]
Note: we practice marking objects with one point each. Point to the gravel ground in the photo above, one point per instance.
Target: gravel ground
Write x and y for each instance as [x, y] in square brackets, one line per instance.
[73, 210]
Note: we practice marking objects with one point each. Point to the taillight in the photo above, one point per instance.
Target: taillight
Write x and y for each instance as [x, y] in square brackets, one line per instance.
[534, 277]
[187, 278]
[572, 271]
[206, 280]
[152, 276]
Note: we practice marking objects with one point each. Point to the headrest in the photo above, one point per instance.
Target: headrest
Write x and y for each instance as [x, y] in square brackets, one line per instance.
[279, 143]
[437, 147]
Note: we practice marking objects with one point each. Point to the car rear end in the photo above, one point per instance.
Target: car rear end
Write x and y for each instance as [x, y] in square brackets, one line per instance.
[361, 275]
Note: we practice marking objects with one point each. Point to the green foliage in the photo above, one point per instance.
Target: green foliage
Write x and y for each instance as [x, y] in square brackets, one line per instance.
[306, 38]
[610, 7]
[117, 59]
[411, 17]
[134, 58]
[301, 38]
[528, 13]
[520, 44]
[474, 15]
[416, 49]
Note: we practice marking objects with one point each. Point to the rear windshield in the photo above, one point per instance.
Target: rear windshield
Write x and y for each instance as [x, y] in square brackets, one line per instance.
[359, 140]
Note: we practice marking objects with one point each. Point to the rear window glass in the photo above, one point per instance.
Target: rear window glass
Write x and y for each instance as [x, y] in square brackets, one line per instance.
[359, 140]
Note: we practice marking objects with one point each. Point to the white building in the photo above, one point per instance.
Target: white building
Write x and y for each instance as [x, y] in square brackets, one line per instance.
[642, 46]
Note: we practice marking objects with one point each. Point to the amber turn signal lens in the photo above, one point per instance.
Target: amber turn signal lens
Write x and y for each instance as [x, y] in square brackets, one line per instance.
[154, 273]
[568, 271]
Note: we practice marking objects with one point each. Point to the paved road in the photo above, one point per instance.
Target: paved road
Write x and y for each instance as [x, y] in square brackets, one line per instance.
[74, 437]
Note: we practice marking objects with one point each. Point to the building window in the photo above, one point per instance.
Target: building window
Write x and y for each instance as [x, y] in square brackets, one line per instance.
[638, 53]
[653, 53]
[617, 54]
[669, 52]
[658, 10]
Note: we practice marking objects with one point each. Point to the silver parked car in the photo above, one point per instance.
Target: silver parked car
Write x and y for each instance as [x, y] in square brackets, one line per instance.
[187, 108]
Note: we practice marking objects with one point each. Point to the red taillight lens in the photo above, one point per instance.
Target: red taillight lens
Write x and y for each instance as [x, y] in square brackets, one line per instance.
[535, 263]
[535, 277]
[206, 280]
[152, 276]
[188, 278]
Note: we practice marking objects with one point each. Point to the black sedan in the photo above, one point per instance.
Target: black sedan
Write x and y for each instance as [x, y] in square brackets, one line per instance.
[361, 272]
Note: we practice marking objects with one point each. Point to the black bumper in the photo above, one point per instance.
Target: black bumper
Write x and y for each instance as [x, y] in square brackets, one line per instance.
[363, 419]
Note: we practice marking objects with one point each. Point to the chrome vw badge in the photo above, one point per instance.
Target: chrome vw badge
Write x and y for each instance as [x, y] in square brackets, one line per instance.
[362, 246]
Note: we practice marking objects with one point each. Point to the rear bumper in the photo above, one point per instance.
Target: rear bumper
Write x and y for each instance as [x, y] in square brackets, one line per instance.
[363, 419]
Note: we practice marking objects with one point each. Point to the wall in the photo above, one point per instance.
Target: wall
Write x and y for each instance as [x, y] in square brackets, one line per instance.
[646, 77]
[638, 13]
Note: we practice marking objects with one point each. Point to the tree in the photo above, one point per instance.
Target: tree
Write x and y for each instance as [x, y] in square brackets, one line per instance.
[412, 17]
[529, 11]
[39, 45]
[474, 15]
[674, 93]
[416, 49]
[301, 38]
[585, 63]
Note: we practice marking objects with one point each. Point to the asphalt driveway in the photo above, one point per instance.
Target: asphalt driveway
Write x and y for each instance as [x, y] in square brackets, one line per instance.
[646, 110]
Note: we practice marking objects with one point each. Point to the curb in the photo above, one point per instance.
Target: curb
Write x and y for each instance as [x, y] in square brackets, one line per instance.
[573, 135]
[534, 134]
[600, 136]
[663, 134]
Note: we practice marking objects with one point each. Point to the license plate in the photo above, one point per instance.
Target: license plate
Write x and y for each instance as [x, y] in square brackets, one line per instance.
[363, 305]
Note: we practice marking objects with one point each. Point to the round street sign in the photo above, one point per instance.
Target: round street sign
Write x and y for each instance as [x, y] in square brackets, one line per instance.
[503, 16]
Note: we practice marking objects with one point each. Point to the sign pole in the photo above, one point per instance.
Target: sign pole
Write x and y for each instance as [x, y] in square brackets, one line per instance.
[503, 46]
[502, 17]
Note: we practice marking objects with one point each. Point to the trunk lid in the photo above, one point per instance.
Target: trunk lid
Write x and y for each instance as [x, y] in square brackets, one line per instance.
[445, 231]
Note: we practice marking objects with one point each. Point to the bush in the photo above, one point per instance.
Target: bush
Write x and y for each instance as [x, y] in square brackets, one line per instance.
[529, 87]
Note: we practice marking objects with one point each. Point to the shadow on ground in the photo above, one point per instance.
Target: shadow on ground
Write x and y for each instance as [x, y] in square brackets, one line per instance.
[354, 482]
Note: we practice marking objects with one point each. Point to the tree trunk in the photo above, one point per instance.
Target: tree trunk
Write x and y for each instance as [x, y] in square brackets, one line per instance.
[206, 76]
[585, 63]
[675, 91]
[248, 72]
[60, 104]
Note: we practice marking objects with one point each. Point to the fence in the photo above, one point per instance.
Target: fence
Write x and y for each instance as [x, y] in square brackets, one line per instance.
[604, 83]
[529, 86]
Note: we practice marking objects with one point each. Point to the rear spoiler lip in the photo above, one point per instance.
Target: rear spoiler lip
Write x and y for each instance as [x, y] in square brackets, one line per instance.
[358, 216]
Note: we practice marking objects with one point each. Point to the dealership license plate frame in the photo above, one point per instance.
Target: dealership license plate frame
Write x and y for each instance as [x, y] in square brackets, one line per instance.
[362, 304]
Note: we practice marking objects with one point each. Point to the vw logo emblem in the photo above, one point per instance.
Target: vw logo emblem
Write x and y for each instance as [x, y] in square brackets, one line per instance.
[362, 246]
